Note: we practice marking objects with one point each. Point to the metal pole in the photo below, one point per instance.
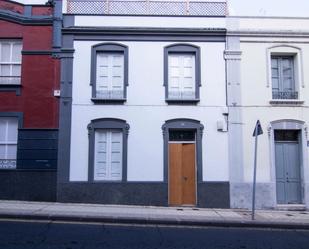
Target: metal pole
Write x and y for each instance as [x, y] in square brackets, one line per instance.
[254, 172]
[187, 7]
[107, 3]
[147, 7]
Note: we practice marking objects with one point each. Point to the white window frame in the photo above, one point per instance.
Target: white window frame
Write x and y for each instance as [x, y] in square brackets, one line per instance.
[286, 50]
[5, 162]
[15, 79]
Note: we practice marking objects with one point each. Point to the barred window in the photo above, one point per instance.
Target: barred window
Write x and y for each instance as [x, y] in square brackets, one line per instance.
[283, 80]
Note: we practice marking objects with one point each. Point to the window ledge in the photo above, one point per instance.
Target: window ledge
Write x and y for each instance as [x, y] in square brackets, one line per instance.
[182, 101]
[108, 101]
[286, 102]
[11, 88]
[108, 181]
[28, 170]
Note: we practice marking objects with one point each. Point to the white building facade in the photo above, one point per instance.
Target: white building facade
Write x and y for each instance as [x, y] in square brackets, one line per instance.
[159, 100]
[267, 81]
[143, 114]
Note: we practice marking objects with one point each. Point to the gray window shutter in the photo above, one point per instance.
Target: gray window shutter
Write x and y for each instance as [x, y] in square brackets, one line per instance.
[275, 74]
[287, 75]
[282, 74]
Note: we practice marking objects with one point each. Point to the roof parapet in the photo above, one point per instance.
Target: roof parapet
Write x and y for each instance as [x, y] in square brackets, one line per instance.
[147, 7]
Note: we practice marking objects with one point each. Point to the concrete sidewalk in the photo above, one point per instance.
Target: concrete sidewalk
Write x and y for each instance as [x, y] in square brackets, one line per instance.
[153, 215]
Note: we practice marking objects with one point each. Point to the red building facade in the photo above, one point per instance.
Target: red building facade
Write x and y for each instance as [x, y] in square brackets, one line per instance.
[29, 84]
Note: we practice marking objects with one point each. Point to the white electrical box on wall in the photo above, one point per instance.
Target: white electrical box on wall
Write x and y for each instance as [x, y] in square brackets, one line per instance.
[57, 93]
[225, 110]
[221, 125]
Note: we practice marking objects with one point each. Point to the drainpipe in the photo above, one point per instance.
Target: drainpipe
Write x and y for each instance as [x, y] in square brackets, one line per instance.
[57, 25]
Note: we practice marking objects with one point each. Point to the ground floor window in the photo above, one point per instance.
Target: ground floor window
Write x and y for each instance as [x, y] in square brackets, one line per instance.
[8, 142]
[108, 149]
[108, 155]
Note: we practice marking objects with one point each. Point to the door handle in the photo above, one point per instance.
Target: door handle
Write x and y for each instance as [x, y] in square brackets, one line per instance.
[185, 178]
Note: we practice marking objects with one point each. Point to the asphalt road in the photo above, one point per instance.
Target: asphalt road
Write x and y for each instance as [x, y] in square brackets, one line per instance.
[55, 235]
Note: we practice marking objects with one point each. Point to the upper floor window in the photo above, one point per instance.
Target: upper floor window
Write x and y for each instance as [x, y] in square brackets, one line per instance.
[283, 78]
[109, 72]
[285, 74]
[8, 142]
[10, 62]
[182, 73]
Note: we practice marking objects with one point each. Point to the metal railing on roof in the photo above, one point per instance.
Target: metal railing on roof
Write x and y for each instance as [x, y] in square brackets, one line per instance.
[146, 7]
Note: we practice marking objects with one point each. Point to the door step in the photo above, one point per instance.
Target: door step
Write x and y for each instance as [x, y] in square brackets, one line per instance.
[291, 207]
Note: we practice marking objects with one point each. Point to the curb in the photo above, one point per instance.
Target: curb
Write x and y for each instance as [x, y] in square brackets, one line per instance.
[154, 221]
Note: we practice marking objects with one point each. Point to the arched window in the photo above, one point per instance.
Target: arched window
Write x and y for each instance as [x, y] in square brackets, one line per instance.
[108, 149]
[182, 73]
[109, 72]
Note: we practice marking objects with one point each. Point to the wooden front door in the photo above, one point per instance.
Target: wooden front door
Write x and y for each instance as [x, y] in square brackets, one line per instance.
[182, 174]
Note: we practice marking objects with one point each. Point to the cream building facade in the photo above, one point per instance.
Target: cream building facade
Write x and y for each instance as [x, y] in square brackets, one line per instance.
[268, 81]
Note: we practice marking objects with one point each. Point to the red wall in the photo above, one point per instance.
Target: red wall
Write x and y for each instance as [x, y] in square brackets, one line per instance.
[40, 76]
[15, 7]
[41, 11]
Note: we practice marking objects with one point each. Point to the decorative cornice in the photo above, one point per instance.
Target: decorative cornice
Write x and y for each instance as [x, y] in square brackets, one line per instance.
[65, 53]
[306, 131]
[126, 129]
[25, 20]
[268, 33]
[145, 34]
[144, 31]
[269, 129]
[36, 52]
[232, 55]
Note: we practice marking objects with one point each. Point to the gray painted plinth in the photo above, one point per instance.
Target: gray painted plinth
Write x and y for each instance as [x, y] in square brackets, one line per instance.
[213, 195]
[210, 194]
[306, 194]
[28, 185]
[123, 193]
[241, 195]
